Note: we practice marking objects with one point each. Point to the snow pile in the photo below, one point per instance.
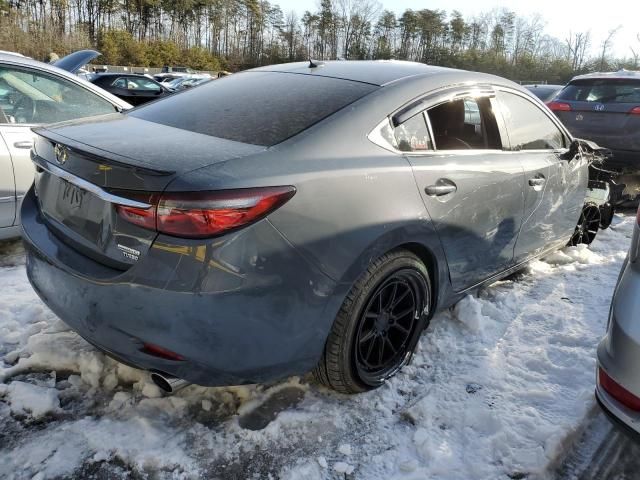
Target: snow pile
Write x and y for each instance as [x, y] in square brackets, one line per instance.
[468, 311]
[495, 388]
[28, 399]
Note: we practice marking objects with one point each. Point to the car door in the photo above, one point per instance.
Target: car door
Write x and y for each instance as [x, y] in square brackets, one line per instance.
[7, 185]
[554, 187]
[35, 97]
[472, 190]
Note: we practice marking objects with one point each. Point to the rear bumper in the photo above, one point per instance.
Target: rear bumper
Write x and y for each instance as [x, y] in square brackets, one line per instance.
[619, 351]
[615, 417]
[245, 308]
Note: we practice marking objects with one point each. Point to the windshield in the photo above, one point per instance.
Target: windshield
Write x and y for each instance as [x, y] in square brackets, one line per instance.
[603, 91]
[260, 108]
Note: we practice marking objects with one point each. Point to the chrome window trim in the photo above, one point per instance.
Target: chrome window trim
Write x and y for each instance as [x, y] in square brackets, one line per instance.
[85, 185]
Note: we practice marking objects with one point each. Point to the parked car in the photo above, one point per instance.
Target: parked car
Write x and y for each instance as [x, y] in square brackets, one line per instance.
[169, 73]
[544, 92]
[295, 217]
[618, 377]
[187, 82]
[34, 93]
[605, 108]
[133, 88]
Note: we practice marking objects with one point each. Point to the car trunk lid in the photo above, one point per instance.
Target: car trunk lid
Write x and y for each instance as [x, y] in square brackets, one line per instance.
[79, 186]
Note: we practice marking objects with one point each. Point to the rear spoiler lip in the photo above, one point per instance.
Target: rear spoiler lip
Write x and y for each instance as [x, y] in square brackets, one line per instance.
[98, 155]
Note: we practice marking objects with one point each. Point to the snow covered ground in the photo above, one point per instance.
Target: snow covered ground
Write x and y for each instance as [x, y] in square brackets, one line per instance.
[497, 389]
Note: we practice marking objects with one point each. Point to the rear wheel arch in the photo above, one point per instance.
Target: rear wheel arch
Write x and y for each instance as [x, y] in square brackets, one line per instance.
[430, 261]
[426, 253]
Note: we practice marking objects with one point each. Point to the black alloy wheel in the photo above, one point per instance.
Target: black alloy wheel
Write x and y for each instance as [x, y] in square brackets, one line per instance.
[379, 324]
[587, 227]
[386, 326]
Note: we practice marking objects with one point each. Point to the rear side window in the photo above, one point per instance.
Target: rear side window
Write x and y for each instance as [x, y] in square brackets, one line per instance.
[464, 124]
[412, 135]
[260, 108]
[528, 126]
[602, 91]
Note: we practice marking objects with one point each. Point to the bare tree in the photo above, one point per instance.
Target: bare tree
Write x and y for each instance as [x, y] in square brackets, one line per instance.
[578, 44]
[635, 53]
[606, 45]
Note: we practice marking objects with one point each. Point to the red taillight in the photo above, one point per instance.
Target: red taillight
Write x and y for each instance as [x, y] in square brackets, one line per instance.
[139, 216]
[635, 111]
[618, 392]
[559, 106]
[207, 214]
[158, 351]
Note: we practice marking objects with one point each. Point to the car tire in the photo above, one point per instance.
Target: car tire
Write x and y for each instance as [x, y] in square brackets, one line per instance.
[378, 325]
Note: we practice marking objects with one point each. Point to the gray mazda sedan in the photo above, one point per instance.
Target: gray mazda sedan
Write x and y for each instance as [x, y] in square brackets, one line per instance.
[306, 216]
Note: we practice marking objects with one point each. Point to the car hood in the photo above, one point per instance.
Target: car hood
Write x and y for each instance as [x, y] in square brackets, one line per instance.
[76, 60]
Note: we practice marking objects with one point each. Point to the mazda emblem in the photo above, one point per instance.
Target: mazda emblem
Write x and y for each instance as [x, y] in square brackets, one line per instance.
[62, 153]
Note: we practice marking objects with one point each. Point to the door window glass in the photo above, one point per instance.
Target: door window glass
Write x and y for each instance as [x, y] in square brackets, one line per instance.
[529, 127]
[412, 135]
[34, 97]
[464, 124]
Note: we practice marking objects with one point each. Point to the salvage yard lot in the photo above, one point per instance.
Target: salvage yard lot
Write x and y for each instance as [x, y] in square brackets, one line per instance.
[498, 388]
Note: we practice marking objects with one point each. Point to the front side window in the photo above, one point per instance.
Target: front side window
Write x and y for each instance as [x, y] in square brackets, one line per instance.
[464, 124]
[31, 97]
[412, 135]
[528, 126]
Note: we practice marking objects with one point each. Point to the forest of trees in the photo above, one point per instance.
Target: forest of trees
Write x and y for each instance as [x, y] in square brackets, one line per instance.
[237, 34]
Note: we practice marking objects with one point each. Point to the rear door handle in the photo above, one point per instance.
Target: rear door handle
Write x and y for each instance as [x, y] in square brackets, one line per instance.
[439, 190]
[536, 182]
[26, 145]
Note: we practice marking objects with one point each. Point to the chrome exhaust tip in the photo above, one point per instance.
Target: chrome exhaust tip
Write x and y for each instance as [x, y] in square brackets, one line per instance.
[167, 383]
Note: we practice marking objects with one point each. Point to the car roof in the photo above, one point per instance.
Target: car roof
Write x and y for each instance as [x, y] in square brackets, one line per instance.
[621, 74]
[375, 72]
[12, 53]
[542, 85]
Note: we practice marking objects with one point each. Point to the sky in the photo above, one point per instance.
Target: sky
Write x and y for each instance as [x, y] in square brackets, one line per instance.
[561, 15]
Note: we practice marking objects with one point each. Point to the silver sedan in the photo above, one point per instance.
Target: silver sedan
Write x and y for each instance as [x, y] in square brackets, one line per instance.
[618, 379]
[33, 93]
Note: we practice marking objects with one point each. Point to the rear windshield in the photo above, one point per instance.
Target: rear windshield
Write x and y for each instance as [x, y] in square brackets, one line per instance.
[261, 108]
[602, 91]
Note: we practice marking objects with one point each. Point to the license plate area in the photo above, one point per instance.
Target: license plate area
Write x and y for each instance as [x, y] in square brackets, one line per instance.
[72, 197]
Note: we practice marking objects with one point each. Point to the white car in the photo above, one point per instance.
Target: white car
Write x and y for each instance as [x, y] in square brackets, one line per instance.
[33, 93]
